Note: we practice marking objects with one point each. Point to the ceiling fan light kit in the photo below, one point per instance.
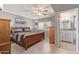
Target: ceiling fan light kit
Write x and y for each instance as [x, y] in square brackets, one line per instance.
[40, 11]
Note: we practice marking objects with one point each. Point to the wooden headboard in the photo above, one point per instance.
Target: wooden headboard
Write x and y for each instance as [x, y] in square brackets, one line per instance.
[20, 28]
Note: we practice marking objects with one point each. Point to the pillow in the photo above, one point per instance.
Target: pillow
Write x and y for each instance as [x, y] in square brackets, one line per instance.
[18, 30]
[27, 30]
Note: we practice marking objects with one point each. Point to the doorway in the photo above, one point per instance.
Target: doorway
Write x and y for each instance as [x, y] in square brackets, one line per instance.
[67, 32]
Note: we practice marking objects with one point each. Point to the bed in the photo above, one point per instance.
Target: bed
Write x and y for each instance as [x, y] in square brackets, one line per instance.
[27, 38]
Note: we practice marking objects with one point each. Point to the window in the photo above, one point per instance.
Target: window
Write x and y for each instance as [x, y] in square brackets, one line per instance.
[44, 25]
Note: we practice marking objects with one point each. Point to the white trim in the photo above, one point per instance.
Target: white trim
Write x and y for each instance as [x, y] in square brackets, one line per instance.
[77, 32]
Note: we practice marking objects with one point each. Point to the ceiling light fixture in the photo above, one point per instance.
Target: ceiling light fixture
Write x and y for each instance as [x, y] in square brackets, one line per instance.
[41, 10]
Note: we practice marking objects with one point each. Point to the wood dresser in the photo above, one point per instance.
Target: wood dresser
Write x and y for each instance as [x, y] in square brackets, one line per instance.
[5, 43]
[52, 35]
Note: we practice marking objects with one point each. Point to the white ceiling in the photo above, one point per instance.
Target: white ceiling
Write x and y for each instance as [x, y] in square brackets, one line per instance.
[26, 10]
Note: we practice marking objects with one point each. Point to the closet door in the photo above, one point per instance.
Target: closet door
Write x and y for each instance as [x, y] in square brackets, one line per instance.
[5, 36]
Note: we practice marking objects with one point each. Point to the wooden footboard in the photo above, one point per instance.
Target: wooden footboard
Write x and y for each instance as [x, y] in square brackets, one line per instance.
[32, 39]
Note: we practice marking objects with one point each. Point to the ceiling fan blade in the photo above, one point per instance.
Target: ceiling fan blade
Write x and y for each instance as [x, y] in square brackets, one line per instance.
[45, 11]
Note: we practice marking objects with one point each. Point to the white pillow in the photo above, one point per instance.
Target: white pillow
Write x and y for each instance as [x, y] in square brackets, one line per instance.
[18, 30]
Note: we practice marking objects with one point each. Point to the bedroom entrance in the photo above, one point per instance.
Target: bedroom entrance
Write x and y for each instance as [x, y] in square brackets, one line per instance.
[68, 29]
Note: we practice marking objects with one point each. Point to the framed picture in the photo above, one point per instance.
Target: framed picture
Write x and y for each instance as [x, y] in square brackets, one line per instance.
[20, 20]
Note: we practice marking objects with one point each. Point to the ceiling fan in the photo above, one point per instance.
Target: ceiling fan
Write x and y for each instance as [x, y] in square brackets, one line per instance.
[40, 10]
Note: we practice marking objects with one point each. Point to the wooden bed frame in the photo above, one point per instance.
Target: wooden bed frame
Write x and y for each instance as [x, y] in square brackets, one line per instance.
[31, 40]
